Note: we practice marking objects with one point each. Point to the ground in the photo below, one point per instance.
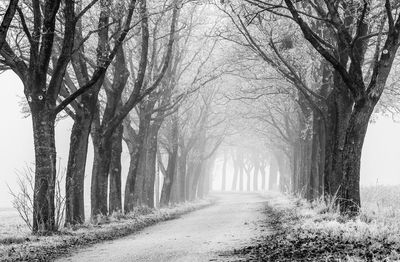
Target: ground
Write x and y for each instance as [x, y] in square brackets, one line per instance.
[260, 226]
[233, 222]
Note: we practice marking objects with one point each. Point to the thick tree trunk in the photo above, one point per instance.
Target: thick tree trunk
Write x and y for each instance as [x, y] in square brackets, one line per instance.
[317, 157]
[168, 180]
[133, 142]
[189, 178]
[357, 129]
[182, 177]
[172, 165]
[339, 111]
[115, 199]
[75, 176]
[45, 170]
[134, 188]
[201, 185]
[150, 171]
[101, 166]
[130, 180]
[195, 181]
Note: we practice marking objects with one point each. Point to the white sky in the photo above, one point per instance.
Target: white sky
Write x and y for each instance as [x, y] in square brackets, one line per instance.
[380, 162]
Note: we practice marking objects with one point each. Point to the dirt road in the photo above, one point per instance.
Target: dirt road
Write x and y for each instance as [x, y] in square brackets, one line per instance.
[199, 236]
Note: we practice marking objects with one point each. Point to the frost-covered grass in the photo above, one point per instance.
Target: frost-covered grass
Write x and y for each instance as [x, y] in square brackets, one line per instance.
[317, 232]
[26, 247]
[381, 204]
[12, 227]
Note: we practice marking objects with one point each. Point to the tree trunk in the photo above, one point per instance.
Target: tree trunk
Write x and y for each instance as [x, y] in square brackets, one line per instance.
[45, 170]
[235, 175]
[248, 173]
[241, 173]
[75, 176]
[168, 180]
[172, 165]
[350, 188]
[101, 167]
[151, 167]
[189, 178]
[255, 174]
[115, 199]
[134, 188]
[273, 174]
[284, 171]
[195, 180]
[317, 157]
[339, 111]
[182, 177]
[134, 143]
[263, 177]
[223, 179]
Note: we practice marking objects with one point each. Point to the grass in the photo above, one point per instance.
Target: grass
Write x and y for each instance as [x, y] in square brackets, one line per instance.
[26, 247]
[317, 232]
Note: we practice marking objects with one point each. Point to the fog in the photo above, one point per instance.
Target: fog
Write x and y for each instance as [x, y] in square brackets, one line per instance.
[379, 166]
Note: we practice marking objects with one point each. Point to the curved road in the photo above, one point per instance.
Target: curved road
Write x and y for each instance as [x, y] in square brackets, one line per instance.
[198, 236]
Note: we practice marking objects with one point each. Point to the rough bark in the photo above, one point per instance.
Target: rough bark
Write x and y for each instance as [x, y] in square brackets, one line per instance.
[45, 169]
[350, 189]
[75, 175]
[115, 198]
[100, 170]
[172, 165]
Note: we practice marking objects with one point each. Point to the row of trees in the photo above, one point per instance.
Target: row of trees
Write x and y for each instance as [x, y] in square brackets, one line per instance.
[249, 168]
[149, 74]
[123, 71]
[313, 90]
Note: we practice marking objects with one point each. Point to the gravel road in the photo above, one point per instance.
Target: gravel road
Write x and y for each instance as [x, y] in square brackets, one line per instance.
[198, 236]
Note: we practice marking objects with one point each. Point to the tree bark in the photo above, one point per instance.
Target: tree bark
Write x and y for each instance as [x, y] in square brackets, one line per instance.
[172, 165]
[133, 142]
[350, 189]
[151, 159]
[75, 176]
[45, 169]
[339, 112]
[115, 198]
[101, 166]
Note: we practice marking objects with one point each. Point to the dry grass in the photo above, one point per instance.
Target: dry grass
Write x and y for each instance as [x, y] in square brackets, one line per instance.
[317, 232]
[12, 228]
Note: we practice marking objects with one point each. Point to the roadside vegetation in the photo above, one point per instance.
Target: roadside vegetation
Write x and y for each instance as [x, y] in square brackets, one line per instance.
[316, 231]
[17, 244]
